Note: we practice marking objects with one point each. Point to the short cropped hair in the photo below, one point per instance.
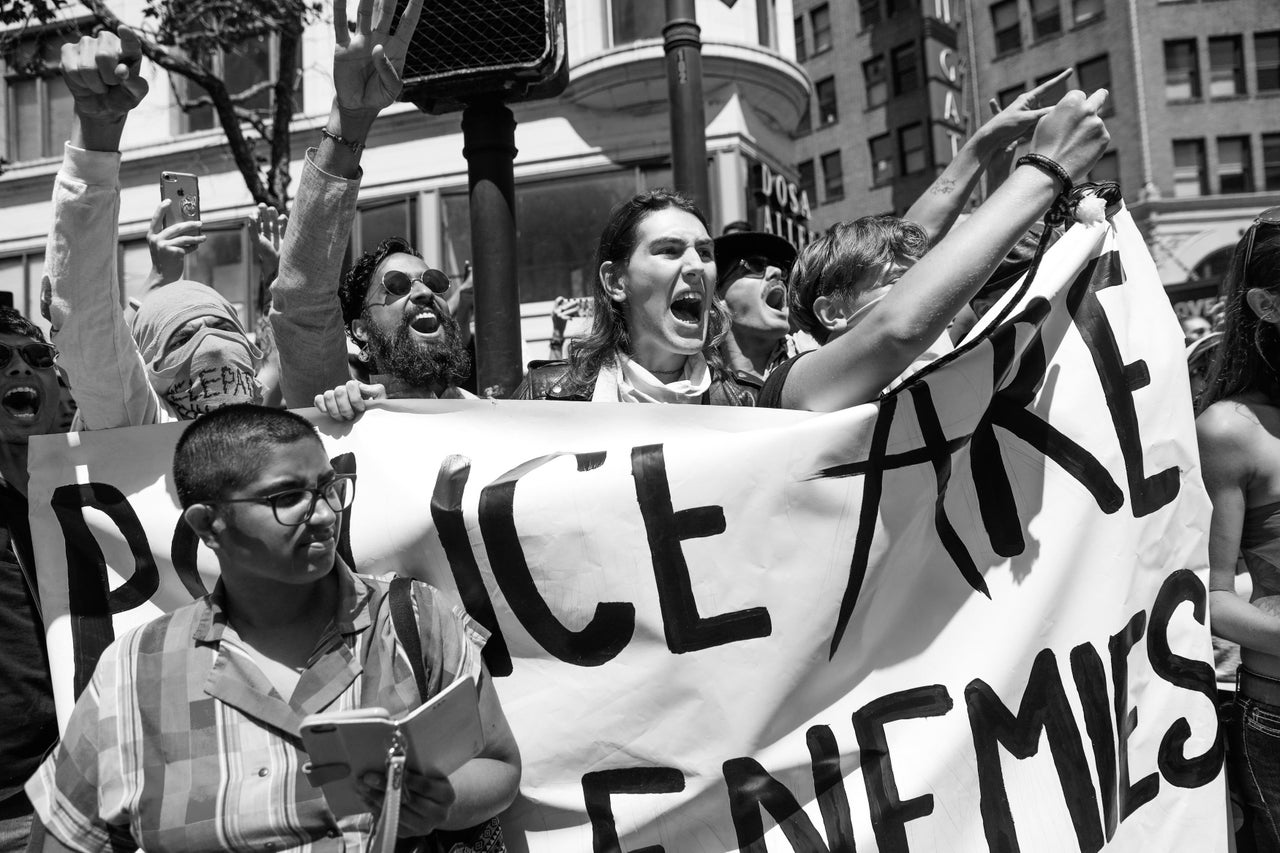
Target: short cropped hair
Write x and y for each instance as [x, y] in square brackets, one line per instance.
[12, 322]
[225, 449]
[838, 262]
[355, 284]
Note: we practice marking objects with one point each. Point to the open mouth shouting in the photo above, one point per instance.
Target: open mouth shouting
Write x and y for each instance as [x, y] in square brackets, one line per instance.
[775, 296]
[22, 403]
[687, 308]
[427, 324]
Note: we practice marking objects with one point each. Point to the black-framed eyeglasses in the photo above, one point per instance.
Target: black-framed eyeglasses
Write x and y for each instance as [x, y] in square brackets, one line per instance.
[758, 265]
[293, 507]
[1270, 216]
[39, 356]
[397, 284]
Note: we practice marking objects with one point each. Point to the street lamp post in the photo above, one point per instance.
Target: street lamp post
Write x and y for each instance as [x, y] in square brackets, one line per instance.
[682, 43]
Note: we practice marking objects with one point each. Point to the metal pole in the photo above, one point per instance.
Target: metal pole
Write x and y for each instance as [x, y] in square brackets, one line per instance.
[682, 41]
[489, 144]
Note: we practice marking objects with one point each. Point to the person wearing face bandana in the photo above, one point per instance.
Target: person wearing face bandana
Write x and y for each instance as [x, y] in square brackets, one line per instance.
[191, 353]
[197, 354]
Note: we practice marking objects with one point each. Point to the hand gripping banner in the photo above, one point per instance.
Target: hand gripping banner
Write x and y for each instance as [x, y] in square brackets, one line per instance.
[968, 617]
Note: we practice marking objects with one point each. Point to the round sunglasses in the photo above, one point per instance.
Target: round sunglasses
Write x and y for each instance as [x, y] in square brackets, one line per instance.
[397, 284]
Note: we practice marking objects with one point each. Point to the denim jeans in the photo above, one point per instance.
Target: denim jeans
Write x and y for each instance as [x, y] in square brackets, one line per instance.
[1254, 734]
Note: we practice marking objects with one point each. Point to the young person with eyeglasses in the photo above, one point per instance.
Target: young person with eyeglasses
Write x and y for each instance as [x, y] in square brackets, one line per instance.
[187, 738]
[1239, 434]
[29, 406]
[753, 268]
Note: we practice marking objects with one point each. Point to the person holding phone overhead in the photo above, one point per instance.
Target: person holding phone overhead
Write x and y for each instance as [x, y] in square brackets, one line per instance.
[187, 352]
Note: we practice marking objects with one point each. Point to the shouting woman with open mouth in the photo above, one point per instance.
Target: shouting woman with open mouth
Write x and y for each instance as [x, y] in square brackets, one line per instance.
[658, 322]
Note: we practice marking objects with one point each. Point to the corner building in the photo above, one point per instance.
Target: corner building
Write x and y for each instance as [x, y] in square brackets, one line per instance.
[604, 139]
[1194, 112]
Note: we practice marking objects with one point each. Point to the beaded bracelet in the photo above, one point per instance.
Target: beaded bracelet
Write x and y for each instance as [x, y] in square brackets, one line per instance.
[356, 147]
[1049, 167]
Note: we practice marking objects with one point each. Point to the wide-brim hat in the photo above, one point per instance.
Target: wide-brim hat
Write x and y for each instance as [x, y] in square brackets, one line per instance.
[731, 248]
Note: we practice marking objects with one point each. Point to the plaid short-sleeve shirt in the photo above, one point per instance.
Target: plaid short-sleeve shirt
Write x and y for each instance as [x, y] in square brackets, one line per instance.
[180, 743]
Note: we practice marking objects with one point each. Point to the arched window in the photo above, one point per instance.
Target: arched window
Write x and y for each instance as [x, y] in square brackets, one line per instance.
[1213, 266]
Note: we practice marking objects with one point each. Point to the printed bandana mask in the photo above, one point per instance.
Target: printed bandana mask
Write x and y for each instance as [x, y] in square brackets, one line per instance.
[213, 369]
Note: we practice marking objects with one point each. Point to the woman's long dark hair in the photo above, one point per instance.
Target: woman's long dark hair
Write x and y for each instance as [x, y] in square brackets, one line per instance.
[1248, 359]
[608, 334]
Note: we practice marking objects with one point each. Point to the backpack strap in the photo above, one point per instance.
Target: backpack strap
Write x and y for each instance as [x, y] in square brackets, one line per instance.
[400, 599]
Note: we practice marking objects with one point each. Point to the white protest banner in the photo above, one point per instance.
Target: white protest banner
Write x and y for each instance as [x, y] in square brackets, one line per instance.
[969, 617]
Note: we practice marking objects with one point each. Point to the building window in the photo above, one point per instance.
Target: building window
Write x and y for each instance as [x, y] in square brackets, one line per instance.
[1181, 70]
[820, 21]
[1086, 10]
[1007, 96]
[1004, 20]
[1046, 18]
[1271, 160]
[377, 221]
[20, 277]
[1106, 169]
[1094, 74]
[39, 104]
[241, 69]
[873, 72]
[1226, 67]
[906, 70]
[1266, 53]
[832, 176]
[881, 159]
[632, 20]
[828, 112]
[911, 148]
[808, 183]
[869, 10]
[806, 119]
[1235, 165]
[802, 52]
[1189, 178]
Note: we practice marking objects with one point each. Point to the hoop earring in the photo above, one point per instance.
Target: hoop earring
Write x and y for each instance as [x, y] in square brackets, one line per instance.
[363, 354]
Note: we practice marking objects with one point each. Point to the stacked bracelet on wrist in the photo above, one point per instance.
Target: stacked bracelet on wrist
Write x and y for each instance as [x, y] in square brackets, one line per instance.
[355, 147]
[1050, 168]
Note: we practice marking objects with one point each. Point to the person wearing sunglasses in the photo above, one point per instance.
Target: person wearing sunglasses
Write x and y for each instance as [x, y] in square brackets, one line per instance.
[391, 304]
[753, 269]
[223, 683]
[1239, 434]
[658, 324]
[29, 405]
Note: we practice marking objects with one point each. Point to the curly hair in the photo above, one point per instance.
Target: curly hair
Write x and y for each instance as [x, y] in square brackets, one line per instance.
[1248, 357]
[838, 262]
[13, 322]
[608, 335]
[355, 284]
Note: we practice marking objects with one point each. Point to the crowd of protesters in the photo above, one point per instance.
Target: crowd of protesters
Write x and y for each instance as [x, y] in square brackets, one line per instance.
[677, 316]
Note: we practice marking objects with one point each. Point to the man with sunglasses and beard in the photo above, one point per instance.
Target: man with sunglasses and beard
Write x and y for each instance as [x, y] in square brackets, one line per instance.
[753, 284]
[391, 303]
[29, 405]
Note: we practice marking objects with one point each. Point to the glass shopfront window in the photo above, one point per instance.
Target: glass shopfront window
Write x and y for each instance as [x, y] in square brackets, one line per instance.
[20, 277]
[558, 224]
[633, 20]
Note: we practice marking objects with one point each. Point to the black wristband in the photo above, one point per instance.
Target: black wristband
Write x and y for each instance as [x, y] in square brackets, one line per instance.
[1050, 168]
[355, 147]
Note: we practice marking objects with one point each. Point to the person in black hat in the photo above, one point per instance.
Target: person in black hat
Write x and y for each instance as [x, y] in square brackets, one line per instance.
[753, 268]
